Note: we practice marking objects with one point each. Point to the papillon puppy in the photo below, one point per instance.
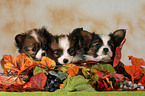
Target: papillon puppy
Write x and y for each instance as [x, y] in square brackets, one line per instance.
[101, 47]
[66, 48]
[33, 43]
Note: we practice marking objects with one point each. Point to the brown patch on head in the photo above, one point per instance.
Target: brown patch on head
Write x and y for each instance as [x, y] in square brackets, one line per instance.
[27, 44]
[55, 40]
[96, 43]
[86, 38]
[30, 42]
[55, 48]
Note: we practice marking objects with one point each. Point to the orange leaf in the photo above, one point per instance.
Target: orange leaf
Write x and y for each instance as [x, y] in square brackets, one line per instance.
[142, 81]
[106, 86]
[10, 63]
[47, 62]
[37, 81]
[134, 71]
[61, 86]
[69, 65]
[136, 61]
[73, 71]
[8, 80]
[16, 64]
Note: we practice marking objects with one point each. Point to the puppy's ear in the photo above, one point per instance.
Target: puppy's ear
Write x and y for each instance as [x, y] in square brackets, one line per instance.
[46, 34]
[75, 33]
[119, 35]
[19, 39]
[86, 38]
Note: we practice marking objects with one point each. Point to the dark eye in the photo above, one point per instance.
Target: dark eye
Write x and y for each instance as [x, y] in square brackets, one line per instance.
[57, 53]
[45, 46]
[97, 45]
[71, 51]
[111, 45]
[34, 49]
[25, 48]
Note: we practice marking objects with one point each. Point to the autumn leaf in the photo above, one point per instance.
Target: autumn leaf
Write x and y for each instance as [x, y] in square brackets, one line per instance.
[17, 88]
[46, 62]
[135, 70]
[136, 61]
[61, 86]
[142, 81]
[106, 86]
[37, 81]
[100, 86]
[73, 71]
[66, 67]
[14, 88]
[16, 64]
[117, 56]
[118, 77]
[9, 80]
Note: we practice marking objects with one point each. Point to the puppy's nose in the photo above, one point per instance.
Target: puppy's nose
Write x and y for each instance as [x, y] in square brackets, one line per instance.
[105, 50]
[43, 54]
[65, 61]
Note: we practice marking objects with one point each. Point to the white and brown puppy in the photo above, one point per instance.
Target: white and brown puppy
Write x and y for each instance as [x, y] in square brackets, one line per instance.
[66, 48]
[33, 42]
[101, 47]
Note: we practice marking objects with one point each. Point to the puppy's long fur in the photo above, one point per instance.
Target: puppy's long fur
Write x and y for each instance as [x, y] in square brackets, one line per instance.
[33, 42]
[66, 48]
[101, 47]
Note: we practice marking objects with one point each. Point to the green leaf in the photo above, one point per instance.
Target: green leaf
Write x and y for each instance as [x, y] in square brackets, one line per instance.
[86, 72]
[106, 67]
[53, 73]
[94, 75]
[63, 68]
[61, 75]
[77, 83]
[39, 70]
[84, 87]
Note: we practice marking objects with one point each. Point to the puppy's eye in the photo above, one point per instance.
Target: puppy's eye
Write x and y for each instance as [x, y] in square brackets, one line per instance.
[25, 48]
[97, 45]
[57, 53]
[71, 51]
[34, 49]
[111, 45]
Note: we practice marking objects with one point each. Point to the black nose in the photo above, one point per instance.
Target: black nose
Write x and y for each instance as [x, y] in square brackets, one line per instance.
[65, 61]
[105, 50]
[43, 54]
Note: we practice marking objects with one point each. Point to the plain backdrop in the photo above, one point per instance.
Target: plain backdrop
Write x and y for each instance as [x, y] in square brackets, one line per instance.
[62, 16]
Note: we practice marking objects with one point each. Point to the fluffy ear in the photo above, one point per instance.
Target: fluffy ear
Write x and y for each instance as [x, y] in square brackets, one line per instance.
[75, 33]
[47, 40]
[86, 38]
[119, 35]
[19, 39]
[74, 37]
[46, 34]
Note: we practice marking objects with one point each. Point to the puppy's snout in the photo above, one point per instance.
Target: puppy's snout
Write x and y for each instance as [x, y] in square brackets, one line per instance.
[43, 54]
[105, 50]
[65, 61]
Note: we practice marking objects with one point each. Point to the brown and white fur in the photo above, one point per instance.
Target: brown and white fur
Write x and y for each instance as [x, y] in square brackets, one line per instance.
[101, 47]
[33, 43]
[66, 48]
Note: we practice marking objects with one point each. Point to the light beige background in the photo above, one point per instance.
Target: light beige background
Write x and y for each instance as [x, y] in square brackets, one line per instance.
[62, 16]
